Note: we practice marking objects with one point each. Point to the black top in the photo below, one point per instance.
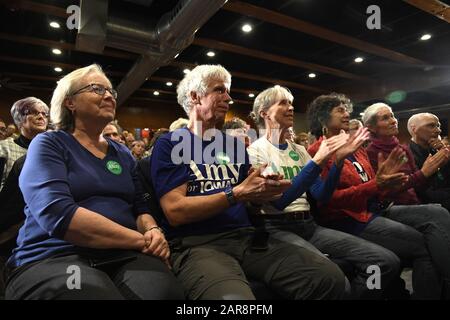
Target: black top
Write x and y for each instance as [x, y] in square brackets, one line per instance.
[439, 183]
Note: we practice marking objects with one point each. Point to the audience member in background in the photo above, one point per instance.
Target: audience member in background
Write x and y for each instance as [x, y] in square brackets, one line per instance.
[129, 139]
[203, 198]
[31, 117]
[354, 125]
[425, 130]
[138, 149]
[289, 218]
[356, 205]
[2, 129]
[112, 131]
[302, 139]
[238, 128]
[84, 208]
[158, 133]
[11, 131]
[290, 135]
[178, 124]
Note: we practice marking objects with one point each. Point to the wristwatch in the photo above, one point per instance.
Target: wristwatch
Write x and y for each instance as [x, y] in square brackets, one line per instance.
[230, 196]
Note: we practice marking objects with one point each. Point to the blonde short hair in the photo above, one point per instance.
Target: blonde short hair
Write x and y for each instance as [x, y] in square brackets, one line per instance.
[60, 116]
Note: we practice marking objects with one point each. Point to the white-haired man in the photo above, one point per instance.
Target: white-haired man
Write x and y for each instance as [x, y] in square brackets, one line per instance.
[214, 247]
[425, 130]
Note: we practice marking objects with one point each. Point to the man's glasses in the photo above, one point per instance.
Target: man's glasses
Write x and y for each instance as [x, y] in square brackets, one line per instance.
[98, 89]
[36, 113]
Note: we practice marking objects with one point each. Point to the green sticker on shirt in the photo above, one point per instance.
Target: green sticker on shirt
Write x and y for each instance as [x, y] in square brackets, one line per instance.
[294, 155]
[114, 167]
[222, 158]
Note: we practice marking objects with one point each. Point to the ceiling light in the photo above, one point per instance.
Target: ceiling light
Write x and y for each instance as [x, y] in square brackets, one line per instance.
[425, 37]
[169, 84]
[312, 75]
[176, 56]
[210, 54]
[247, 28]
[55, 25]
[359, 60]
[361, 114]
[231, 102]
[186, 71]
[56, 51]
[58, 69]
[251, 95]
[156, 93]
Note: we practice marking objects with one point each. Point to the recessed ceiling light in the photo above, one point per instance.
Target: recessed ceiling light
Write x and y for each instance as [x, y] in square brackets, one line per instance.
[58, 69]
[210, 54]
[231, 102]
[425, 37]
[56, 51]
[169, 84]
[312, 75]
[156, 93]
[186, 71]
[251, 95]
[247, 28]
[359, 60]
[54, 25]
[361, 114]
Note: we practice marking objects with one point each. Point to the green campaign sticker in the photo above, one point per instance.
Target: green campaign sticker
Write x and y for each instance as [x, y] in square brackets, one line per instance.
[222, 158]
[294, 155]
[114, 167]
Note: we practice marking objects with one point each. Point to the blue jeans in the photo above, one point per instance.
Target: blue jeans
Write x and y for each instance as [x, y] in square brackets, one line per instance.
[339, 245]
[409, 245]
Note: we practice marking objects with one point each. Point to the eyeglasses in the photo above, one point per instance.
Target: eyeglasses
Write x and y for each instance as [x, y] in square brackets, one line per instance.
[36, 113]
[2, 129]
[98, 89]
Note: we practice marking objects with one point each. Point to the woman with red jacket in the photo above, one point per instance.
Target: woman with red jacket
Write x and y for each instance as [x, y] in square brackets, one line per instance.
[356, 205]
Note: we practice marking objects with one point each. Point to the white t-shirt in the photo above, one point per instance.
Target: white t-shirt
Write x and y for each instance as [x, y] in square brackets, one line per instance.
[289, 162]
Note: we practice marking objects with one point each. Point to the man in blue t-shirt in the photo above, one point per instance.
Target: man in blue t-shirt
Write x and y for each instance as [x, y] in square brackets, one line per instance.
[202, 180]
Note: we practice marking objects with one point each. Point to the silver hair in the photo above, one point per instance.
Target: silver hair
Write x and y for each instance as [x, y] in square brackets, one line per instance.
[60, 116]
[369, 116]
[21, 107]
[197, 80]
[266, 99]
[415, 119]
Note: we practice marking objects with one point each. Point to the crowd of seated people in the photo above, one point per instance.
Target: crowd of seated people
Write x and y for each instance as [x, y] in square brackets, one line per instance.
[216, 209]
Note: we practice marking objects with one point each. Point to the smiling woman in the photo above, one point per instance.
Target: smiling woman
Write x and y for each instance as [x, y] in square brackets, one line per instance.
[85, 204]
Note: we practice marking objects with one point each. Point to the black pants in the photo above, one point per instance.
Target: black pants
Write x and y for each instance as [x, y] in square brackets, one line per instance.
[138, 276]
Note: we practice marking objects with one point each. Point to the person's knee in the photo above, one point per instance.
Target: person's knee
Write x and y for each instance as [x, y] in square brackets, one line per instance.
[210, 274]
[330, 282]
[389, 264]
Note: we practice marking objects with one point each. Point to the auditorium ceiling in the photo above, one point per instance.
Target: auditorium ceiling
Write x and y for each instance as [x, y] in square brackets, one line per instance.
[399, 54]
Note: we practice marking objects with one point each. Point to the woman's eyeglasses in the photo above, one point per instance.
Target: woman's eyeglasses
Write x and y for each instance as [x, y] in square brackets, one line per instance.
[36, 113]
[98, 89]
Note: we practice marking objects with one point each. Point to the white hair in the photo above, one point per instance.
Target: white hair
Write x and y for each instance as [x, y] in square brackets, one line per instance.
[416, 121]
[266, 99]
[59, 114]
[197, 80]
[369, 116]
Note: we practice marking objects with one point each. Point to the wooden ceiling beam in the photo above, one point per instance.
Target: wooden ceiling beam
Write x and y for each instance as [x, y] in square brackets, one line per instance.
[258, 78]
[214, 44]
[35, 7]
[285, 21]
[433, 7]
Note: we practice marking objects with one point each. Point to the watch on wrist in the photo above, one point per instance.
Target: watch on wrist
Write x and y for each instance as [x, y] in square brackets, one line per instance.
[230, 196]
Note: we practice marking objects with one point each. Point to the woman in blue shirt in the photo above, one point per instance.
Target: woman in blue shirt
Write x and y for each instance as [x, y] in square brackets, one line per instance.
[88, 233]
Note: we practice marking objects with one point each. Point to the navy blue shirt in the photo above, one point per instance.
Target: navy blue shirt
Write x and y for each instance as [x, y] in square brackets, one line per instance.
[208, 167]
[58, 177]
